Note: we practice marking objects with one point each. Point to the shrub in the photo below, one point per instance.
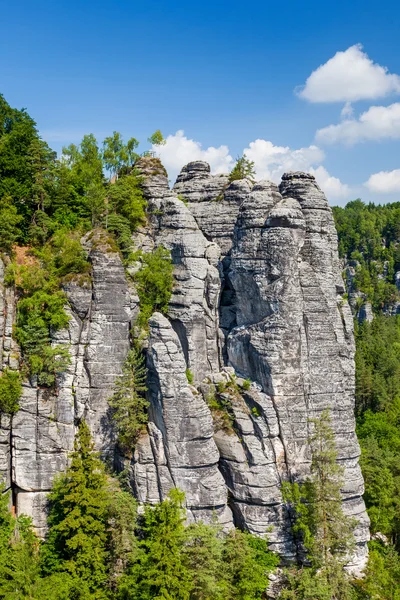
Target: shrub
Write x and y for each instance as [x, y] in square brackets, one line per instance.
[10, 391]
[246, 384]
[189, 376]
[129, 406]
[9, 221]
[154, 282]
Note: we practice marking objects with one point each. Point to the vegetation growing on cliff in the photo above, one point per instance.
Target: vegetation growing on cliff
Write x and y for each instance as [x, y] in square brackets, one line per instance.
[154, 283]
[98, 547]
[128, 403]
[320, 524]
[243, 169]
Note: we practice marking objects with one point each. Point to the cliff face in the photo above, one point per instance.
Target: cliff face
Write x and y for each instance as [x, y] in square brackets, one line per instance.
[258, 295]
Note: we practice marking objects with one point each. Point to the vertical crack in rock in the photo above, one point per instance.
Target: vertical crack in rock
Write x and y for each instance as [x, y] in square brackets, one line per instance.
[180, 432]
[257, 294]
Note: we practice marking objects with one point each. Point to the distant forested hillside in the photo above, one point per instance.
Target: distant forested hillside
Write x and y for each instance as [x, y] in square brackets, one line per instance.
[369, 241]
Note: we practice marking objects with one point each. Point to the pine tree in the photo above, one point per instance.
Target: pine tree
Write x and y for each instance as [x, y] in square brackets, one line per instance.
[320, 523]
[129, 406]
[160, 572]
[243, 169]
[203, 548]
[77, 538]
[19, 565]
[247, 563]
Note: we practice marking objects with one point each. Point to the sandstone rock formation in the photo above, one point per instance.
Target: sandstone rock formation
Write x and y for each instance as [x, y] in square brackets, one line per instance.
[258, 296]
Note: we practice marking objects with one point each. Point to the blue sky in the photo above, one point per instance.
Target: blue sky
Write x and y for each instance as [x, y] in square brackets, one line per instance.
[223, 72]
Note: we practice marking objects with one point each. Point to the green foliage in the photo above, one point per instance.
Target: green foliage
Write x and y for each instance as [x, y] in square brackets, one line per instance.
[19, 568]
[247, 563]
[189, 376]
[126, 198]
[382, 576]
[157, 139]
[116, 154]
[221, 412]
[203, 554]
[154, 282]
[243, 169]
[128, 404]
[320, 524]
[246, 384]
[9, 224]
[10, 391]
[40, 311]
[370, 234]
[77, 538]
[160, 571]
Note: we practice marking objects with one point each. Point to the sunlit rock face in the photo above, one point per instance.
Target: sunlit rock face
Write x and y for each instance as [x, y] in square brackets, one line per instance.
[258, 296]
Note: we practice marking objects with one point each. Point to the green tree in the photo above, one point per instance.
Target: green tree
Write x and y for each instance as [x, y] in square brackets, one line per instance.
[247, 563]
[17, 133]
[160, 572]
[9, 224]
[10, 391]
[243, 169]
[320, 523]
[77, 539]
[157, 139]
[202, 550]
[154, 282]
[115, 154]
[128, 404]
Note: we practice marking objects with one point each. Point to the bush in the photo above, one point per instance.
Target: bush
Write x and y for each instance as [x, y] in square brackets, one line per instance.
[129, 406]
[154, 282]
[9, 221]
[10, 391]
[189, 376]
[126, 199]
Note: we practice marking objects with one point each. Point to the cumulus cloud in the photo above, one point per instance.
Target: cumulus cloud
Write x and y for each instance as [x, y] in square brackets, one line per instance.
[179, 150]
[384, 182]
[332, 186]
[272, 161]
[347, 77]
[377, 123]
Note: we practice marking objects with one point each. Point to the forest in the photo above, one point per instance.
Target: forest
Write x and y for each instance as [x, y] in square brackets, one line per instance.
[100, 544]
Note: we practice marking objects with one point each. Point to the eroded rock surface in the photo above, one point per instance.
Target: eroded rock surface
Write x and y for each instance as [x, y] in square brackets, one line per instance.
[257, 295]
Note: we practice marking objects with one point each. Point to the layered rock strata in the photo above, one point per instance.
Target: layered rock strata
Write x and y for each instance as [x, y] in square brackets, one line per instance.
[257, 315]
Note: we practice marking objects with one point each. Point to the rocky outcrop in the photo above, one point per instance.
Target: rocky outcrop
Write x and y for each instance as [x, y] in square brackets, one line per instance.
[179, 449]
[257, 315]
[38, 439]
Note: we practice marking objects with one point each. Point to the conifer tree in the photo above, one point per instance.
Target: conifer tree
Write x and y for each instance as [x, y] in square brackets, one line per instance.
[160, 572]
[202, 550]
[77, 538]
[247, 563]
[243, 169]
[129, 406]
[320, 523]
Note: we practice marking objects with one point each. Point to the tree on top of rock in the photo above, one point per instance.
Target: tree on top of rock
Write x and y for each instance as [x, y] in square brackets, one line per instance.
[243, 169]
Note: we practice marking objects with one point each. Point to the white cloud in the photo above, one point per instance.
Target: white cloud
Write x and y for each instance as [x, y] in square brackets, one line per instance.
[272, 161]
[377, 123]
[347, 111]
[347, 77]
[332, 186]
[180, 150]
[384, 182]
